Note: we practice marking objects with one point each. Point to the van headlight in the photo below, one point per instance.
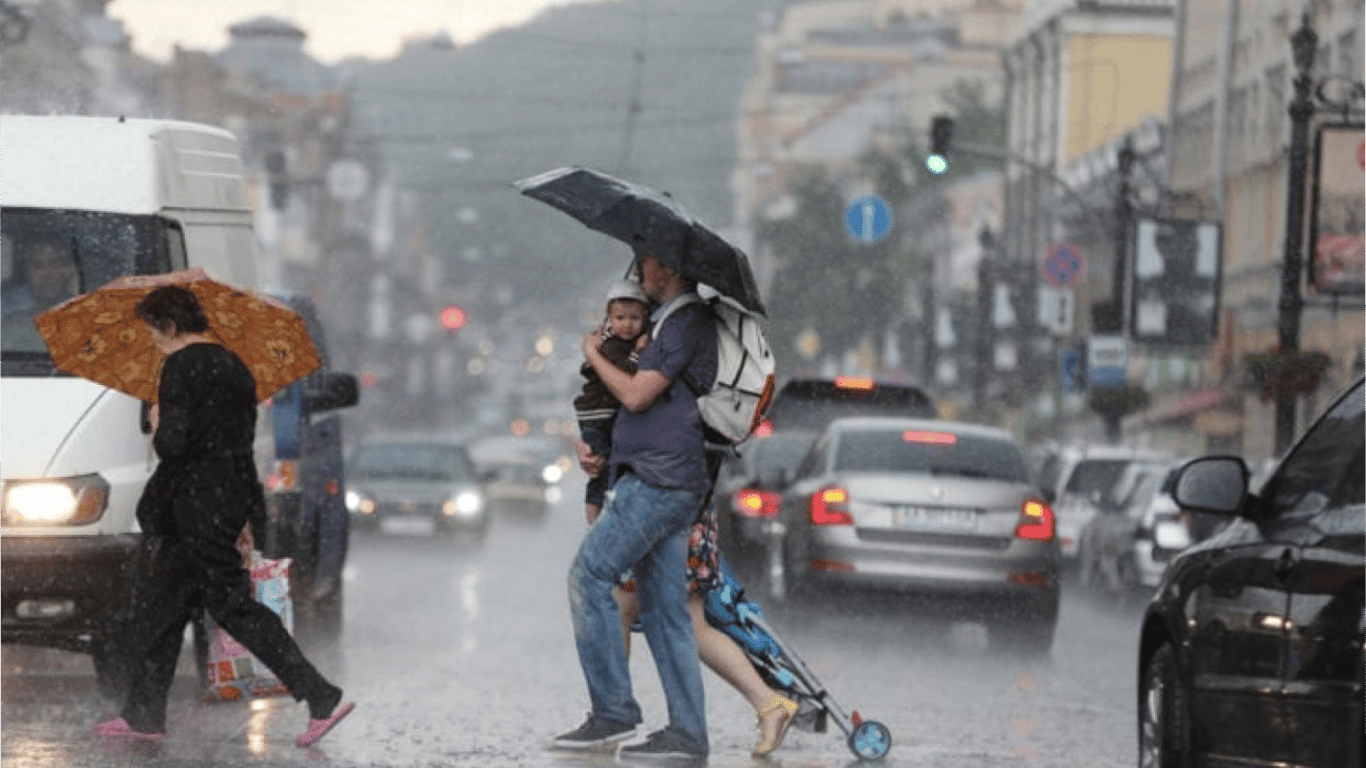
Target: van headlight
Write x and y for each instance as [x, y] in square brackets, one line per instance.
[62, 501]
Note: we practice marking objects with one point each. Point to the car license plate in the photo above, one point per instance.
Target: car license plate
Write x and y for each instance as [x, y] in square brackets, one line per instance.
[408, 526]
[915, 518]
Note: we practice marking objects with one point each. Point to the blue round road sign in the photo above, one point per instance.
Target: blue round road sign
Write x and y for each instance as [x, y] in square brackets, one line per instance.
[1062, 265]
[868, 219]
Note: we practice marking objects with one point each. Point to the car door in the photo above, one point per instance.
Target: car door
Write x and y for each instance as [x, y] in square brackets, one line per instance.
[1235, 610]
[1317, 499]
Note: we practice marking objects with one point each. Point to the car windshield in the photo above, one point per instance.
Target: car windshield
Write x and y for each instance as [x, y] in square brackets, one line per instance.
[50, 256]
[942, 454]
[1095, 476]
[412, 461]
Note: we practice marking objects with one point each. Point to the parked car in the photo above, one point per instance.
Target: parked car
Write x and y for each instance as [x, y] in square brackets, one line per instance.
[929, 507]
[404, 484]
[1251, 649]
[1124, 549]
[1075, 481]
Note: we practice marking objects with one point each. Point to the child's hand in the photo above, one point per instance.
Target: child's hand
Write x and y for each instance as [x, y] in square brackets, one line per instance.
[590, 462]
[642, 341]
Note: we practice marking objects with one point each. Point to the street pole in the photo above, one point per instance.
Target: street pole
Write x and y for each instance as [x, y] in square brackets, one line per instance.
[1124, 211]
[1302, 44]
[985, 332]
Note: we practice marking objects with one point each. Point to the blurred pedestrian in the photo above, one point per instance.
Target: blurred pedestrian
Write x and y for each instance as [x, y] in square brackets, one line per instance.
[659, 481]
[203, 496]
[623, 336]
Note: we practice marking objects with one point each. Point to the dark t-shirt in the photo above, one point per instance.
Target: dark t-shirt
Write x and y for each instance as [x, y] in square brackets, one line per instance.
[664, 443]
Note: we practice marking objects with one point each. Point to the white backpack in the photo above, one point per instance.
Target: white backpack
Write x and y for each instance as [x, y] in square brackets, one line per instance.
[743, 389]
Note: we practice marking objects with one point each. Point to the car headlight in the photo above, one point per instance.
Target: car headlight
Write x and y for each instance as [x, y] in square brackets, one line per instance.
[464, 504]
[359, 502]
[65, 501]
[553, 473]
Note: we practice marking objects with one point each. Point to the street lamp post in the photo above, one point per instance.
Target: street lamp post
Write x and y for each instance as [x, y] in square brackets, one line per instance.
[1124, 211]
[984, 339]
[1303, 45]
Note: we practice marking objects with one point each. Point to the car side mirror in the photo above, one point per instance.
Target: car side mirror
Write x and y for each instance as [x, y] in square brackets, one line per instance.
[336, 390]
[772, 478]
[1215, 484]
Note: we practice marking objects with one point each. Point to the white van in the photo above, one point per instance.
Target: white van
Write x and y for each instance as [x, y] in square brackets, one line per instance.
[116, 197]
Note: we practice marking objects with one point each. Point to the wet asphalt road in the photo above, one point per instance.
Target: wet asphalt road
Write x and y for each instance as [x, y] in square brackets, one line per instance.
[459, 653]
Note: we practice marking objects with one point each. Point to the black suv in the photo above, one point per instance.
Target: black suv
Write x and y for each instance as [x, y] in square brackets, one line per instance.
[1251, 648]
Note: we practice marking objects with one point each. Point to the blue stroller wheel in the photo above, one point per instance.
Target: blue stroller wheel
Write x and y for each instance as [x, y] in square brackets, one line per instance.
[870, 740]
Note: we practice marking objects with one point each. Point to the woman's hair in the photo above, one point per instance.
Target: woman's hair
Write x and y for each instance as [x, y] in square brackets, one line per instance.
[172, 304]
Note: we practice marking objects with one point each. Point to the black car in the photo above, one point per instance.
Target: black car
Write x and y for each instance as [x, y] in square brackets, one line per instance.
[1251, 652]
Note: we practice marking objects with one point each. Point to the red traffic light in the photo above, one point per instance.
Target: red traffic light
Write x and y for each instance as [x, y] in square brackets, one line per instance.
[452, 318]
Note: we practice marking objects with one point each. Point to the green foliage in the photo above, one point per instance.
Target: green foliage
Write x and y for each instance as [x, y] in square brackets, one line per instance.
[1114, 403]
[1272, 372]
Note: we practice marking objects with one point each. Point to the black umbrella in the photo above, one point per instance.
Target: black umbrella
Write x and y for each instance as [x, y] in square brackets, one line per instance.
[651, 221]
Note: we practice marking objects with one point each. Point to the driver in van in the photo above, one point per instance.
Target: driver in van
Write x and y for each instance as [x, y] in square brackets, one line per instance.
[47, 277]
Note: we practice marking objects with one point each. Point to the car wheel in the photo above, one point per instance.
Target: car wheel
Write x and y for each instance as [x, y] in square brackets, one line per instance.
[1030, 638]
[1026, 631]
[1163, 716]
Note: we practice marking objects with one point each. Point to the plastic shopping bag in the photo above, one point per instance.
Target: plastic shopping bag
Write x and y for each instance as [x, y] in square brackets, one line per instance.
[233, 673]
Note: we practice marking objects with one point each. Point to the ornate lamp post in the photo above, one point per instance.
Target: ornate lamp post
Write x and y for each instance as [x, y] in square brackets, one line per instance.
[1303, 44]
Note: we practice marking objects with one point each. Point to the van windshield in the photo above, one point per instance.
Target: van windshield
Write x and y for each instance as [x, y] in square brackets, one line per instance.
[51, 255]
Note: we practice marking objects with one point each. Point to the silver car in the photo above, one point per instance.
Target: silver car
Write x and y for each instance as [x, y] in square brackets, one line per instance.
[415, 485]
[930, 507]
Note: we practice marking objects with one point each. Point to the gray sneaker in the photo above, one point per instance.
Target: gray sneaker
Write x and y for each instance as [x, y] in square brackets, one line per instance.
[595, 732]
[665, 745]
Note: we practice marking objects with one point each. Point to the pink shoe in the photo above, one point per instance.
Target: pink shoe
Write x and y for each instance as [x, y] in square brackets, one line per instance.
[118, 727]
[319, 728]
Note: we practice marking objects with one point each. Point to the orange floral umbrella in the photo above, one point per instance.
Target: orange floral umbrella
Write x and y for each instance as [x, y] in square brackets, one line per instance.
[96, 336]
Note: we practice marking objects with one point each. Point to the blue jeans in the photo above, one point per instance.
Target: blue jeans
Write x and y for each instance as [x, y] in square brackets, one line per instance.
[645, 528]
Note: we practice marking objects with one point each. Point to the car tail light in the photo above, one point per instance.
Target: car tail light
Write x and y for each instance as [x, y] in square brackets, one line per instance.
[854, 382]
[830, 506]
[756, 504]
[929, 438]
[1036, 521]
[764, 429]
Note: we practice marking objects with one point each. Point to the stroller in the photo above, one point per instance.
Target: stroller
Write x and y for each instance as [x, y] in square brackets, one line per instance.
[728, 610]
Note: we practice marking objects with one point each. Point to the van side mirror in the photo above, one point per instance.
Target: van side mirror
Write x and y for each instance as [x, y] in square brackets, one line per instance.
[1215, 484]
[336, 390]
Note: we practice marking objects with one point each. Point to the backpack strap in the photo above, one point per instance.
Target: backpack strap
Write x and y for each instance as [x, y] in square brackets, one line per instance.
[678, 303]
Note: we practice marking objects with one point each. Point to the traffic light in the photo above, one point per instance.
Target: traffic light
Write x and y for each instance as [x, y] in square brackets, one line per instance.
[278, 178]
[452, 318]
[941, 139]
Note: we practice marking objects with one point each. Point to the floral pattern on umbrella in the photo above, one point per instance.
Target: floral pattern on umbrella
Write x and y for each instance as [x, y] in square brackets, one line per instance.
[96, 336]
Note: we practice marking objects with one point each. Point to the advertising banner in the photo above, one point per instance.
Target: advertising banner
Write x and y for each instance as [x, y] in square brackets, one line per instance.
[1337, 211]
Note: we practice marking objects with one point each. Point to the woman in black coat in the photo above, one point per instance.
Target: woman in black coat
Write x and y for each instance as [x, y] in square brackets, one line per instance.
[200, 499]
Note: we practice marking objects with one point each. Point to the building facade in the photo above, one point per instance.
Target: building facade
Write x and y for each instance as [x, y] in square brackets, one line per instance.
[1231, 132]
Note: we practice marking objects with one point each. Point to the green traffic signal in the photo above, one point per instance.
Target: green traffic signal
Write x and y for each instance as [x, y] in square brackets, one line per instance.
[936, 164]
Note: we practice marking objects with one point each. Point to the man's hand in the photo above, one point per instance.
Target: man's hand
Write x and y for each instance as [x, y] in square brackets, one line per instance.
[154, 415]
[591, 463]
